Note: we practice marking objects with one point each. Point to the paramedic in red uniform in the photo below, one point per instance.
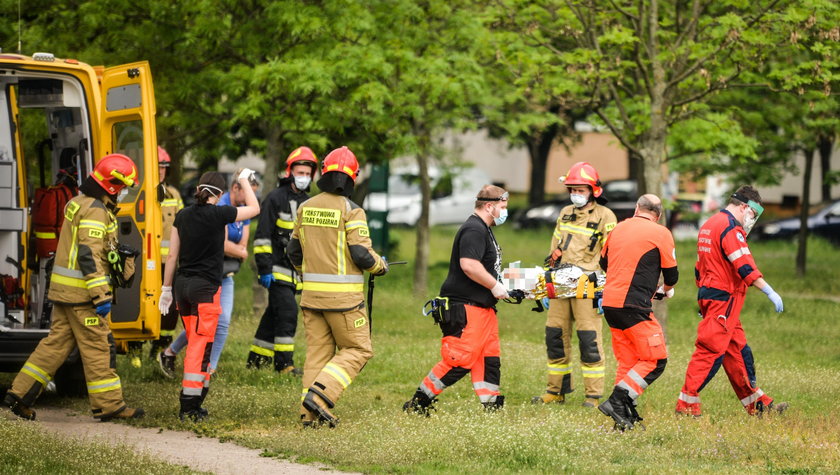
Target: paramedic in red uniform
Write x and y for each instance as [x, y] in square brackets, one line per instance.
[725, 268]
[636, 252]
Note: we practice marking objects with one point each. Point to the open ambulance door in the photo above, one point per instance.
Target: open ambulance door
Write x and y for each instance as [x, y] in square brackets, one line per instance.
[128, 127]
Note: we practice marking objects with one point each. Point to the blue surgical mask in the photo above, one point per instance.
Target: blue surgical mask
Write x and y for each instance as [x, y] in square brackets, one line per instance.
[302, 182]
[501, 219]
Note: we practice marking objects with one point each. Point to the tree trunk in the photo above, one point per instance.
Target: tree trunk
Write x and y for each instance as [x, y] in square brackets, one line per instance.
[421, 254]
[802, 245]
[825, 146]
[539, 146]
[273, 152]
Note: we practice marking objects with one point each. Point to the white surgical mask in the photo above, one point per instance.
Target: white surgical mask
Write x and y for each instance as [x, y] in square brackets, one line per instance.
[749, 220]
[302, 182]
[501, 219]
[579, 200]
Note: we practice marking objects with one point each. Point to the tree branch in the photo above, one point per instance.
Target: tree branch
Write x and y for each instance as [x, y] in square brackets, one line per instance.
[617, 133]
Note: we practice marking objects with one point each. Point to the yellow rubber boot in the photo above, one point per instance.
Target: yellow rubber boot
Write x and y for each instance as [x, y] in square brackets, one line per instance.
[549, 397]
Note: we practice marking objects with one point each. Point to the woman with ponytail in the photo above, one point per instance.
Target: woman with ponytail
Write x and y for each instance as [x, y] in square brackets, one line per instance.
[196, 249]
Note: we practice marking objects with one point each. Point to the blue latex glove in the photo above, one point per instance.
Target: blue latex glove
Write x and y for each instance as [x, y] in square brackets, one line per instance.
[545, 302]
[103, 309]
[774, 297]
[266, 280]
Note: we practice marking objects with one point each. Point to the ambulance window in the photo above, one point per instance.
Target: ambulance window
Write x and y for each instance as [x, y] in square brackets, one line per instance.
[128, 140]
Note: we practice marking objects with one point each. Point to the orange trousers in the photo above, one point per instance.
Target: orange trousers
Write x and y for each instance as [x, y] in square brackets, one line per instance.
[470, 344]
[199, 306]
[639, 347]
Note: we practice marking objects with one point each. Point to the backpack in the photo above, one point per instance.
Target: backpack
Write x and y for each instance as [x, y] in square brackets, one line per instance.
[47, 217]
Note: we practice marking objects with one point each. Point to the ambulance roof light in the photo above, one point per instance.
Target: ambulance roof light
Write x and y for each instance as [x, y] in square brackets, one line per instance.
[49, 57]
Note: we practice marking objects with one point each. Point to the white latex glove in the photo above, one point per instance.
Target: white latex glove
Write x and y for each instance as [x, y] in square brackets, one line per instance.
[499, 291]
[774, 297]
[165, 299]
[246, 173]
[668, 294]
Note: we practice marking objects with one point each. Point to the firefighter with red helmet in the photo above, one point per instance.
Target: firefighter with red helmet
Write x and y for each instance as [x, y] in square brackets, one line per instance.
[338, 343]
[275, 336]
[81, 293]
[724, 271]
[581, 231]
[170, 203]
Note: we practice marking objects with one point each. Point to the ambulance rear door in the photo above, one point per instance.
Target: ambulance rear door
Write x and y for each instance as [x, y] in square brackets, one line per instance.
[128, 127]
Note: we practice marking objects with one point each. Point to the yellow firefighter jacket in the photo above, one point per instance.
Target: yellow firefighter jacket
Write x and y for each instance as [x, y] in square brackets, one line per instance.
[81, 270]
[581, 234]
[169, 207]
[330, 248]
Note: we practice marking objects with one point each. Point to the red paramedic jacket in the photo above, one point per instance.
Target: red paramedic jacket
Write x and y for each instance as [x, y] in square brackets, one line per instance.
[724, 261]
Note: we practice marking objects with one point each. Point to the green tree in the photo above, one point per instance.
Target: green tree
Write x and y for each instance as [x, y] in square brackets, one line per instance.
[432, 79]
[648, 67]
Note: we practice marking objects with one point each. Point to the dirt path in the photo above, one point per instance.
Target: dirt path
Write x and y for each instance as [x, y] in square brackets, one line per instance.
[180, 448]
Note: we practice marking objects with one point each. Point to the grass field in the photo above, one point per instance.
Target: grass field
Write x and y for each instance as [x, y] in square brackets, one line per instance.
[797, 360]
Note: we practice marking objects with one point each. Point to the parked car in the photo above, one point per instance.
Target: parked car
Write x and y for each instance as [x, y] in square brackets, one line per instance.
[453, 195]
[621, 194]
[824, 223]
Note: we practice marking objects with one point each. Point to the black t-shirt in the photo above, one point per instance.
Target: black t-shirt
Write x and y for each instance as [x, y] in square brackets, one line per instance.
[474, 240]
[201, 231]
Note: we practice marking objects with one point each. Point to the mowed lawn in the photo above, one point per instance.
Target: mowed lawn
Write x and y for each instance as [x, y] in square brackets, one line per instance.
[797, 360]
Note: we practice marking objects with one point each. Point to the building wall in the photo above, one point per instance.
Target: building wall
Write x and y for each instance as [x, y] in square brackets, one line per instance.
[511, 166]
[791, 184]
[601, 150]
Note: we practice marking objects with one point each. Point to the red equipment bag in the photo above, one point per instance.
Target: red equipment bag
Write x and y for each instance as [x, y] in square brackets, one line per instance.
[10, 292]
[47, 217]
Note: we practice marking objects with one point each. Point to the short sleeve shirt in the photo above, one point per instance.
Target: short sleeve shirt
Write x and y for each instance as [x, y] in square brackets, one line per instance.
[201, 231]
[235, 228]
[474, 240]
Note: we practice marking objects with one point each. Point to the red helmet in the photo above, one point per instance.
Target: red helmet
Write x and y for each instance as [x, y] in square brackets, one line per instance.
[583, 174]
[163, 158]
[114, 172]
[301, 156]
[341, 160]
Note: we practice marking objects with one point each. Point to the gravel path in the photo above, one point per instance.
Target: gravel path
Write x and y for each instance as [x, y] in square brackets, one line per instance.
[176, 447]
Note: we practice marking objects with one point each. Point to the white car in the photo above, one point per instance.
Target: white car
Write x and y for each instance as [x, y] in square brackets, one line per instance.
[453, 195]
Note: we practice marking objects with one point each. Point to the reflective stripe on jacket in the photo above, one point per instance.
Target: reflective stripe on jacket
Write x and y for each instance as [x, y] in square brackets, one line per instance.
[81, 270]
[581, 234]
[274, 230]
[724, 260]
[331, 247]
[169, 207]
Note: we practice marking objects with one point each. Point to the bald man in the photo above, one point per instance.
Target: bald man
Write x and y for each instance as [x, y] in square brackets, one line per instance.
[636, 252]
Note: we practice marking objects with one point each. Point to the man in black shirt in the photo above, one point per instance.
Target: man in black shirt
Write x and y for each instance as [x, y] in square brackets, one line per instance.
[467, 312]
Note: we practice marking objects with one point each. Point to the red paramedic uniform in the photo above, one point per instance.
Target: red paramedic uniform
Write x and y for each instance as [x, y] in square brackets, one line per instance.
[725, 269]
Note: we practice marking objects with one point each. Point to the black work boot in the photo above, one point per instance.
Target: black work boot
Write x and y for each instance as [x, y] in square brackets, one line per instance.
[420, 403]
[318, 406]
[191, 409]
[158, 346]
[616, 407]
[257, 361]
[18, 407]
[284, 363]
[772, 408]
[634, 415]
[495, 405]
